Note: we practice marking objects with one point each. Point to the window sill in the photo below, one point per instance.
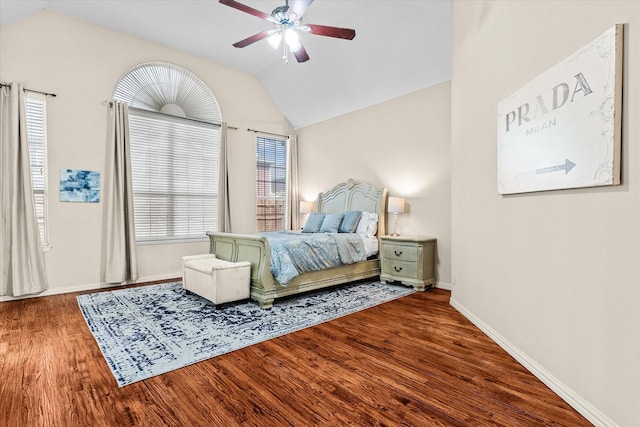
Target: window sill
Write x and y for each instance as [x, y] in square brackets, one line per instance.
[171, 241]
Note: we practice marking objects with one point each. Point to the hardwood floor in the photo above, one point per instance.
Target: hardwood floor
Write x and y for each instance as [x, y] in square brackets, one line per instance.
[410, 362]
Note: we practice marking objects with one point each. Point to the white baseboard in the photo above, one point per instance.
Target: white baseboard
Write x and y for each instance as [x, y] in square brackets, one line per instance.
[91, 287]
[583, 407]
[443, 285]
[158, 277]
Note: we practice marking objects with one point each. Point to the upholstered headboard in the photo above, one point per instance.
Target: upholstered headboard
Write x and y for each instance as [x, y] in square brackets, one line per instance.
[356, 196]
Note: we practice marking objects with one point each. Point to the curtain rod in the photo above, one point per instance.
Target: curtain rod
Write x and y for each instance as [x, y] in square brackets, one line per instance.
[267, 133]
[110, 103]
[31, 90]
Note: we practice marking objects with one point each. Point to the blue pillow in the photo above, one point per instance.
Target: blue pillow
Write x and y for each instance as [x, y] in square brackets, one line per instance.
[331, 223]
[350, 221]
[314, 222]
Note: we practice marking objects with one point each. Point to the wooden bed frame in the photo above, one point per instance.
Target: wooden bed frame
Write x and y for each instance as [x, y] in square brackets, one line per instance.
[349, 196]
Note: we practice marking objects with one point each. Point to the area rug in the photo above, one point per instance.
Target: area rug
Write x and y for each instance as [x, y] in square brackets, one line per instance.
[150, 330]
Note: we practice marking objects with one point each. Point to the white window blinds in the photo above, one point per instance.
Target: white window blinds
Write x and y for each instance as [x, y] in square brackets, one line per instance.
[37, 135]
[271, 183]
[174, 164]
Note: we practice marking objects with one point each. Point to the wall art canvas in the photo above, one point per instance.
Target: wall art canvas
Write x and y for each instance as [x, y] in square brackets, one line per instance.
[563, 129]
[79, 186]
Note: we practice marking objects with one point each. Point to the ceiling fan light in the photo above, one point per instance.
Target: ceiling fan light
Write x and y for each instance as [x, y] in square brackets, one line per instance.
[274, 40]
[291, 37]
[294, 47]
[292, 40]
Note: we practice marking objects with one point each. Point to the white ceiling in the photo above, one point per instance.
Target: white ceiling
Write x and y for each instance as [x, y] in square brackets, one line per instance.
[400, 46]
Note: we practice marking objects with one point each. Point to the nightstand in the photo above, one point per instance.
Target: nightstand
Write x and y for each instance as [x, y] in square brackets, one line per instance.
[408, 259]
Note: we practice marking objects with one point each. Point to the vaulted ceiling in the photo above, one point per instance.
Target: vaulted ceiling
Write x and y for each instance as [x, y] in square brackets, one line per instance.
[400, 46]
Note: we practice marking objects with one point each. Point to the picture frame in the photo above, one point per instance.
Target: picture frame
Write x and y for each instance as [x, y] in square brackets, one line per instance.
[563, 129]
[77, 185]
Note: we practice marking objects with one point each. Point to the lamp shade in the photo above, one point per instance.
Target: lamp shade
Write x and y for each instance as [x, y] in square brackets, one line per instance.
[396, 205]
[306, 207]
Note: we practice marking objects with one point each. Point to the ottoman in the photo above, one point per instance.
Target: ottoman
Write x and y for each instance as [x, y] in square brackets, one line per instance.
[217, 280]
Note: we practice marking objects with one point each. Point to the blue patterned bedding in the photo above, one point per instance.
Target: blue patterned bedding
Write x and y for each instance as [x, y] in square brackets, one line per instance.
[293, 253]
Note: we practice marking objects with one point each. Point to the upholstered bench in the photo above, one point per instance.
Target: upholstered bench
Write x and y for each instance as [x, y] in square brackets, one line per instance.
[217, 280]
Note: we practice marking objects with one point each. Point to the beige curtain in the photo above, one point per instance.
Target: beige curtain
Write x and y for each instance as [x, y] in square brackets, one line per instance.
[224, 208]
[22, 269]
[292, 217]
[119, 262]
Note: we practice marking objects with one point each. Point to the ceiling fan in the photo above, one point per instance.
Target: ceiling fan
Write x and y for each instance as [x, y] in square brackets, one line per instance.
[287, 22]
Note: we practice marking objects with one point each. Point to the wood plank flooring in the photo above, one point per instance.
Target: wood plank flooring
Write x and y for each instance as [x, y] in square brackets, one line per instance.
[411, 362]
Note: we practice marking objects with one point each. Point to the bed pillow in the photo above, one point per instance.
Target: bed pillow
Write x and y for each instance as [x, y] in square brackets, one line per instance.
[350, 221]
[314, 222]
[331, 223]
[368, 224]
[372, 229]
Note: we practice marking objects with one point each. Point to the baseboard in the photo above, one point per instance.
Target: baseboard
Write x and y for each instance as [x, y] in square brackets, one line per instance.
[443, 285]
[582, 406]
[158, 278]
[92, 287]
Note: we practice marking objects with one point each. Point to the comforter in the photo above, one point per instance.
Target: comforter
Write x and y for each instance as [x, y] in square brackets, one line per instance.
[293, 253]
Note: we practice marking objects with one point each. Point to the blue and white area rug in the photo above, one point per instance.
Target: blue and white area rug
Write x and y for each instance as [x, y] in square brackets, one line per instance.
[150, 330]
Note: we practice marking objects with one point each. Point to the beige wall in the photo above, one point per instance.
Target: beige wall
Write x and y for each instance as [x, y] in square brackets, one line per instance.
[403, 144]
[82, 63]
[553, 276]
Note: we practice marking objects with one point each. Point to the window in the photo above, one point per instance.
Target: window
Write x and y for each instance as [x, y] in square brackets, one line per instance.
[175, 152]
[37, 134]
[271, 183]
[174, 165]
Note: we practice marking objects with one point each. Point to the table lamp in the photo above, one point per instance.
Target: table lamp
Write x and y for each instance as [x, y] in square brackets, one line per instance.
[396, 207]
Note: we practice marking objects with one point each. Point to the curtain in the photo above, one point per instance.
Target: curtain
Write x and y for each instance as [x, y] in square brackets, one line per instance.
[22, 269]
[119, 262]
[224, 208]
[292, 217]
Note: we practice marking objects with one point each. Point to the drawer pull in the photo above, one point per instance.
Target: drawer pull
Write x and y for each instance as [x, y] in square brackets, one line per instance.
[397, 253]
[398, 270]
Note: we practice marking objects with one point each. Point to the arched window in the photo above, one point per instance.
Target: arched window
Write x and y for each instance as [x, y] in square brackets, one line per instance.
[175, 144]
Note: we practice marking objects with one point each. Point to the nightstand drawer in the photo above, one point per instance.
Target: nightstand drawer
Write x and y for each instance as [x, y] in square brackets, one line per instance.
[399, 252]
[400, 268]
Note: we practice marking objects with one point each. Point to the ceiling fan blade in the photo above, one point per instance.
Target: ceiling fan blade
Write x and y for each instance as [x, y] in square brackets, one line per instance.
[301, 54]
[254, 38]
[299, 7]
[323, 30]
[246, 9]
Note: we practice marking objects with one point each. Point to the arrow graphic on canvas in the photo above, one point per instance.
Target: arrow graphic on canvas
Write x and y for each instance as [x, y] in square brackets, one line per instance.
[566, 167]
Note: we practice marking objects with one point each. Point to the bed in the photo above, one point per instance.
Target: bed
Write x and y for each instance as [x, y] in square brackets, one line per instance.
[348, 196]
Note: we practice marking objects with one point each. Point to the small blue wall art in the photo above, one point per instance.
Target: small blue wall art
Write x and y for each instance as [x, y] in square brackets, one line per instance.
[79, 186]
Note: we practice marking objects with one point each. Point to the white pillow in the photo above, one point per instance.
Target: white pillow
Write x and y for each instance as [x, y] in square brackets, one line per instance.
[363, 223]
[368, 224]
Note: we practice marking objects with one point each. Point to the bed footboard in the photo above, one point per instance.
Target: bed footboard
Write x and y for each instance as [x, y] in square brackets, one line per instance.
[252, 248]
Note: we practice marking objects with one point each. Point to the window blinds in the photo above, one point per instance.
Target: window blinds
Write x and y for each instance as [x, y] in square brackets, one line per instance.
[175, 172]
[271, 183]
[37, 135]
